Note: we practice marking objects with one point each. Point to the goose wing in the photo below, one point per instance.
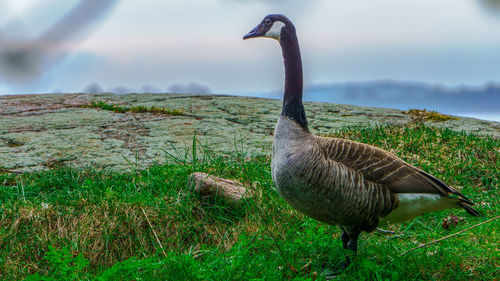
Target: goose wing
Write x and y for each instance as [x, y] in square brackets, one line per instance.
[382, 167]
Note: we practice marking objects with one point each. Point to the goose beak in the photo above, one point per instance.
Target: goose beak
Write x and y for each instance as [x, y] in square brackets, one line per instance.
[253, 33]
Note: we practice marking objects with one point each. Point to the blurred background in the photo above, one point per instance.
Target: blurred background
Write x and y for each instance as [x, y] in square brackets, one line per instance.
[439, 55]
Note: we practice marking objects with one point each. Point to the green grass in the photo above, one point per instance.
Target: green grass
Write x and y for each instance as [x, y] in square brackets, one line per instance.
[65, 224]
[136, 109]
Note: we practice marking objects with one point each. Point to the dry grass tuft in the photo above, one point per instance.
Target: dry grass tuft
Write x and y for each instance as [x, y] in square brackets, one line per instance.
[107, 233]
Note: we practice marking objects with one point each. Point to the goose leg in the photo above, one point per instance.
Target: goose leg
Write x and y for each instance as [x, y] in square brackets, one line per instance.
[353, 242]
[345, 239]
[350, 242]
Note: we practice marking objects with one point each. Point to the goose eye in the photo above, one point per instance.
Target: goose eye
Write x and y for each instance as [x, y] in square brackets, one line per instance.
[267, 22]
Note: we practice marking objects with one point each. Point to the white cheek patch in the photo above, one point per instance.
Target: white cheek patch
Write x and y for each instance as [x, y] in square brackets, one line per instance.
[275, 30]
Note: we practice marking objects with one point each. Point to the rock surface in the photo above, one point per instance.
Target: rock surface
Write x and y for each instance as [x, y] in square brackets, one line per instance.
[40, 131]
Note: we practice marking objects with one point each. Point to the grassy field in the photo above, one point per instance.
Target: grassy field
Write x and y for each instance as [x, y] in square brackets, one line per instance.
[65, 224]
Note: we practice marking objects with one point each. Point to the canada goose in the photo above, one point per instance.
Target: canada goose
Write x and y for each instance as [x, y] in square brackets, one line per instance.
[339, 181]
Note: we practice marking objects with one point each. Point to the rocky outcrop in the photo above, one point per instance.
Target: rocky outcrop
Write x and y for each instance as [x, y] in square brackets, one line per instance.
[42, 131]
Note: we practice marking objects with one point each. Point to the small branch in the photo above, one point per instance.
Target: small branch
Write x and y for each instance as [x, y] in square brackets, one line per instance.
[446, 237]
[383, 231]
[154, 232]
[207, 185]
[3, 170]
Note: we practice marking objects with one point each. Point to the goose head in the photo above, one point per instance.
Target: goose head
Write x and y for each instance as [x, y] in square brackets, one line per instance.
[280, 28]
[273, 26]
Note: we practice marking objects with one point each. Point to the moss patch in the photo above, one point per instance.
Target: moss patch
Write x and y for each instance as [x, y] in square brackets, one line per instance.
[136, 109]
[424, 115]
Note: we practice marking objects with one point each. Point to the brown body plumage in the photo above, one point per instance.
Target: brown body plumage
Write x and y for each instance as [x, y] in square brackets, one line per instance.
[344, 182]
[339, 181]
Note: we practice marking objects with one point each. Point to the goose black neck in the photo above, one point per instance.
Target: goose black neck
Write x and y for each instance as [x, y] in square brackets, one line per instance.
[292, 100]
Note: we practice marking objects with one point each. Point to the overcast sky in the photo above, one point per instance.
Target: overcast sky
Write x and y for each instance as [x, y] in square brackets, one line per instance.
[163, 42]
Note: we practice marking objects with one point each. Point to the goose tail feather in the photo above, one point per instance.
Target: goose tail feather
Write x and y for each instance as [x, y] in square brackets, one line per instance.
[469, 209]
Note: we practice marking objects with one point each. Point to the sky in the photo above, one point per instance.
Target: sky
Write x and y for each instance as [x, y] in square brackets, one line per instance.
[160, 44]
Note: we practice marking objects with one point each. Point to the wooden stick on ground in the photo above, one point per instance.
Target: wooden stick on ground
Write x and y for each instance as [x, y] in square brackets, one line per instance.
[446, 237]
[208, 185]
